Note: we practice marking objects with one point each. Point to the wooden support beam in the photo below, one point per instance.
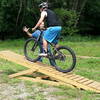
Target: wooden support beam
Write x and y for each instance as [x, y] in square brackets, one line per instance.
[22, 73]
[39, 80]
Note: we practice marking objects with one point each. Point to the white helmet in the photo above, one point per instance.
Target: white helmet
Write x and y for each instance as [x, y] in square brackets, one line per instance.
[43, 5]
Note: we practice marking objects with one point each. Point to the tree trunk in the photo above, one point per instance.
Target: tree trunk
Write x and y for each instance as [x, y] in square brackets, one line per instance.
[21, 4]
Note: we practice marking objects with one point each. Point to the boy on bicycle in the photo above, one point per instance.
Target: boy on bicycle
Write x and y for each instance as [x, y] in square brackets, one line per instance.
[53, 26]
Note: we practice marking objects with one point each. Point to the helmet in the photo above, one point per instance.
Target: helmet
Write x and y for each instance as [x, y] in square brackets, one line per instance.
[43, 5]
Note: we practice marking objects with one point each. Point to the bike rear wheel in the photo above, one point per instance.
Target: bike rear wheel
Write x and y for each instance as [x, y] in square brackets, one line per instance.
[32, 48]
[65, 59]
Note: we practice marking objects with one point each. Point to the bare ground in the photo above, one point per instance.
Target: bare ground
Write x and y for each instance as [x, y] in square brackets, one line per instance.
[21, 91]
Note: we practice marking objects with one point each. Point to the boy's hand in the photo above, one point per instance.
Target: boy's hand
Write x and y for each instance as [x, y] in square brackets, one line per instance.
[25, 29]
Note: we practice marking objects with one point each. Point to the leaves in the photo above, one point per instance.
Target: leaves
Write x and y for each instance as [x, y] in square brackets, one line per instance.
[14, 14]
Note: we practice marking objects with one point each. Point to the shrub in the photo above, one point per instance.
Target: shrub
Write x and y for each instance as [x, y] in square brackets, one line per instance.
[68, 20]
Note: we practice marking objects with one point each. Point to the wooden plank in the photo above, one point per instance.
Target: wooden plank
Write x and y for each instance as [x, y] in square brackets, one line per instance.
[16, 58]
[88, 82]
[69, 76]
[77, 79]
[44, 81]
[40, 68]
[64, 74]
[83, 80]
[67, 80]
[22, 73]
[95, 85]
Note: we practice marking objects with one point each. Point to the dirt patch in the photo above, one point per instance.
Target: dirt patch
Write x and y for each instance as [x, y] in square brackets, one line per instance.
[22, 91]
[13, 92]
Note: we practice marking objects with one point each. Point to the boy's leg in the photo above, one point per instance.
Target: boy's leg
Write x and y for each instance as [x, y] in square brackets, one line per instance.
[41, 51]
[36, 34]
[45, 45]
[50, 35]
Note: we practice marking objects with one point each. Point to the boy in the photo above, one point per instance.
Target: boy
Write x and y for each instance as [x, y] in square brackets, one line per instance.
[53, 26]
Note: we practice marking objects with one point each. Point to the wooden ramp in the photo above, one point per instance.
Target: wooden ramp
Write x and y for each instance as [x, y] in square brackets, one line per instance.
[58, 77]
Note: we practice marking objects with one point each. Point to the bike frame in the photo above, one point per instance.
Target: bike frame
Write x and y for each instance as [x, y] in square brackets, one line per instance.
[40, 38]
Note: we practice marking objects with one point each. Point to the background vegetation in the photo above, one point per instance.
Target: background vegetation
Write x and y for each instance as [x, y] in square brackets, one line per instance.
[14, 89]
[77, 16]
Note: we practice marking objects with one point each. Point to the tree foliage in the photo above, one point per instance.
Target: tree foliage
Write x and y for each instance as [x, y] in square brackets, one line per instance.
[14, 14]
[90, 19]
[68, 20]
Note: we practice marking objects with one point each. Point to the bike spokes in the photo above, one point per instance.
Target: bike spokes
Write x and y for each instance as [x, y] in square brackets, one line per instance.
[64, 59]
[32, 49]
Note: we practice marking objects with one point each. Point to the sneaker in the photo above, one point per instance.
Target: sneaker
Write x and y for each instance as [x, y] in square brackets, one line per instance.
[43, 54]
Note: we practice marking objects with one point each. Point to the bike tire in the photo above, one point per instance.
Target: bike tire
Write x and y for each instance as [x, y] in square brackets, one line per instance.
[73, 59]
[29, 53]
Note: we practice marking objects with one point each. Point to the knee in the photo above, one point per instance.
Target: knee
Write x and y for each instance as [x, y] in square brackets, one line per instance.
[44, 41]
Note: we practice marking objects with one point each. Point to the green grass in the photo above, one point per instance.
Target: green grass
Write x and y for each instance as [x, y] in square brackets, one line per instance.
[90, 68]
[85, 46]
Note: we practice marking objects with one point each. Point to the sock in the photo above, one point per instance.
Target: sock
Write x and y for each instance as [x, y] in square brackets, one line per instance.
[45, 51]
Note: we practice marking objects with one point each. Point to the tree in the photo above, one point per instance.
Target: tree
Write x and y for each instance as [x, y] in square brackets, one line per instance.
[90, 19]
[14, 14]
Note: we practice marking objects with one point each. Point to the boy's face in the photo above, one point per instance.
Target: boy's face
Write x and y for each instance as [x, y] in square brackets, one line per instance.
[41, 9]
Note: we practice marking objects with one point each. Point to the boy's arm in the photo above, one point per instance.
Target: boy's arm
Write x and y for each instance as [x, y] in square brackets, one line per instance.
[29, 34]
[42, 17]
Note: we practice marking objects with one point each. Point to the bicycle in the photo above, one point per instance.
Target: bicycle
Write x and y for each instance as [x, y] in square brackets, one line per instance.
[62, 57]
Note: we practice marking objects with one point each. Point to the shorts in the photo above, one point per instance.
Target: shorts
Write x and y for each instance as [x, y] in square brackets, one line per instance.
[36, 34]
[52, 34]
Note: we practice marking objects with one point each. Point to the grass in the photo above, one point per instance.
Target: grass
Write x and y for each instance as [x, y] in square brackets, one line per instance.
[90, 68]
[85, 46]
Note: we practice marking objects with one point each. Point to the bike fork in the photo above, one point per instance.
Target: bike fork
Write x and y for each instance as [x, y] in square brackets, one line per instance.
[34, 47]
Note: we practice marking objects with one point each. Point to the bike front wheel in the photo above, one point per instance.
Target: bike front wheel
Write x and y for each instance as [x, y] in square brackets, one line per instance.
[32, 48]
[65, 59]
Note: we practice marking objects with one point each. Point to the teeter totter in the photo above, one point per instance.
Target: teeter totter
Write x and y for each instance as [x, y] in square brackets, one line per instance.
[55, 77]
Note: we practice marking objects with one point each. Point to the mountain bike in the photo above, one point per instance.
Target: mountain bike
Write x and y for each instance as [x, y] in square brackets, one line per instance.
[61, 57]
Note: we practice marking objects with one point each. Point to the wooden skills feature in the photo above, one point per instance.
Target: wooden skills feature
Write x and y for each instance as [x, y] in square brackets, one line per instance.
[50, 75]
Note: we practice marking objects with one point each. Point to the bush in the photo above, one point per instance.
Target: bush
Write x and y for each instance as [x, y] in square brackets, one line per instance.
[68, 20]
